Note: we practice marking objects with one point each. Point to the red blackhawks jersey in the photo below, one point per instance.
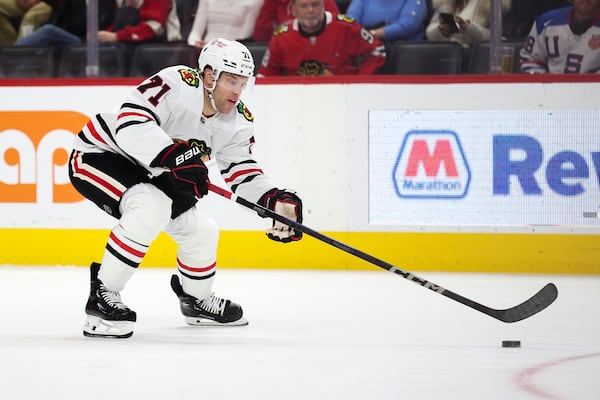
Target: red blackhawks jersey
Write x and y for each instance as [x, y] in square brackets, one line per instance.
[155, 19]
[342, 47]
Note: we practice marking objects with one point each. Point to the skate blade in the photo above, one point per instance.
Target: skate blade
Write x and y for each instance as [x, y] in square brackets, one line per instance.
[192, 321]
[98, 327]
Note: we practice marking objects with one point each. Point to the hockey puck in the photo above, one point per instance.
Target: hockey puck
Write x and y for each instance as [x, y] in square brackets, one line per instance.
[511, 343]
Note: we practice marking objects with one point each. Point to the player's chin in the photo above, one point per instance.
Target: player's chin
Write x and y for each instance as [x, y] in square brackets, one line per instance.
[227, 106]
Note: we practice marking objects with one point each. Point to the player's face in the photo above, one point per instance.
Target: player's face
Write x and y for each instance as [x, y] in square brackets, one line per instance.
[310, 14]
[228, 91]
[586, 8]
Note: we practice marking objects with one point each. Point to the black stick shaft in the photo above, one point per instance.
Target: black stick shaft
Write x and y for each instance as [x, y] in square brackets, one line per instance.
[533, 305]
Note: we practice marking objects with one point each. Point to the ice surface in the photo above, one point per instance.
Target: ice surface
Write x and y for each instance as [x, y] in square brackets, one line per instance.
[312, 335]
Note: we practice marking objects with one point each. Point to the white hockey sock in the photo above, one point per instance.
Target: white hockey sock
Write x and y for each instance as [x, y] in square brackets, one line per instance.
[121, 258]
[199, 288]
[114, 274]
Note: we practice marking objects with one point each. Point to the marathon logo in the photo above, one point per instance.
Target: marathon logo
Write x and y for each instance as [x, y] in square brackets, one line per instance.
[431, 164]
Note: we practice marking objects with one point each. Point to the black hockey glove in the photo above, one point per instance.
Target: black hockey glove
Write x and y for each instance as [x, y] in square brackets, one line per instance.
[184, 159]
[286, 203]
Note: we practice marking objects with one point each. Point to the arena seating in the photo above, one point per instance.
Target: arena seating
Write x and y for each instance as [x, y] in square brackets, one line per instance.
[112, 61]
[118, 60]
[27, 62]
[426, 58]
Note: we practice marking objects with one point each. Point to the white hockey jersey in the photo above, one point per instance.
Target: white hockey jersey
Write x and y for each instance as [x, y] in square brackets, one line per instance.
[168, 107]
[553, 47]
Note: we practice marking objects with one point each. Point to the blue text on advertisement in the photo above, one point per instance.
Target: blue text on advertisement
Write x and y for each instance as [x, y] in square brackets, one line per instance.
[522, 156]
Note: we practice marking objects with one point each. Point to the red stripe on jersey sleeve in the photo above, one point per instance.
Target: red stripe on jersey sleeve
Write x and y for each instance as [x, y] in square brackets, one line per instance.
[243, 172]
[94, 132]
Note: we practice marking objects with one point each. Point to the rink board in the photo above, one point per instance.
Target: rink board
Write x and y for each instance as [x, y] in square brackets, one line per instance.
[453, 252]
[389, 167]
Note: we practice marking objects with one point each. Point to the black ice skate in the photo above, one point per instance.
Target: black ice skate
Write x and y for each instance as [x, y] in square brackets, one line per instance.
[211, 311]
[107, 316]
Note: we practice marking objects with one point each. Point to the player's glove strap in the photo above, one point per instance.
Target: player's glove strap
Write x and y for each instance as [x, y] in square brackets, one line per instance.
[287, 203]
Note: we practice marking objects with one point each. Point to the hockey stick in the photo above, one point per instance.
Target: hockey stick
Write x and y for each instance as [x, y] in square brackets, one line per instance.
[532, 306]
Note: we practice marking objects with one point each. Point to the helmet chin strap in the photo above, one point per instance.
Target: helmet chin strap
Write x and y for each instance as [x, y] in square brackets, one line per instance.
[211, 97]
[212, 100]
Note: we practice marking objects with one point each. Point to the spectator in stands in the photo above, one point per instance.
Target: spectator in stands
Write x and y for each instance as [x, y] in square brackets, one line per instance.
[28, 14]
[566, 40]
[277, 12]
[316, 42]
[134, 22]
[390, 20]
[472, 19]
[139, 21]
[67, 24]
[517, 22]
[233, 20]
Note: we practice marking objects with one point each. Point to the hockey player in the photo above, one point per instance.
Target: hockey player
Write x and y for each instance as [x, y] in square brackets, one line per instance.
[316, 42]
[146, 167]
[566, 40]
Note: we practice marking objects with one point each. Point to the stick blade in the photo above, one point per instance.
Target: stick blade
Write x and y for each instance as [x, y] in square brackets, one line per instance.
[532, 306]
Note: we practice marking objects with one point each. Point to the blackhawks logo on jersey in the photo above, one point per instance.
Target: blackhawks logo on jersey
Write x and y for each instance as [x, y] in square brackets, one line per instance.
[190, 77]
[283, 28]
[311, 68]
[242, 109]
[345, 18]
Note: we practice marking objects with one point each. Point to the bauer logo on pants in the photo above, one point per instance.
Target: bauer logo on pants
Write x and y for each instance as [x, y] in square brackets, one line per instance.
[34, 154]
[431, 164]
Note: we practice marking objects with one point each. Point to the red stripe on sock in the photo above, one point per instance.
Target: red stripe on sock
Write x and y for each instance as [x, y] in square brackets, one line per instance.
[125, 247]
[192, 269]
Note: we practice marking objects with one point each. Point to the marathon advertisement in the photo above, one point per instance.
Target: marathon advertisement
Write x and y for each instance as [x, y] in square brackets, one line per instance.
[515, 168]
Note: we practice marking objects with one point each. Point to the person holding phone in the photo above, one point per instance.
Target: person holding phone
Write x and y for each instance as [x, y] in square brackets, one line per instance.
[463, 21]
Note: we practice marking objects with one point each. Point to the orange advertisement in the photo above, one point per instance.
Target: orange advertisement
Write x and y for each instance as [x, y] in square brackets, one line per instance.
[35, 148]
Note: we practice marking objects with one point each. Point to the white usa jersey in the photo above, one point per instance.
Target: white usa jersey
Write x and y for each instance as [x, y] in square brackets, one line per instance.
[553, 47]
[168, 107]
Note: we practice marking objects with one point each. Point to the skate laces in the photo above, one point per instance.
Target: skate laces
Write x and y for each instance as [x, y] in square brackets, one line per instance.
[113, 299]
[212, 304]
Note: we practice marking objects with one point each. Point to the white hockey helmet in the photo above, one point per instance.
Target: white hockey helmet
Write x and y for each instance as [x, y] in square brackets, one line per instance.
[224, 55]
